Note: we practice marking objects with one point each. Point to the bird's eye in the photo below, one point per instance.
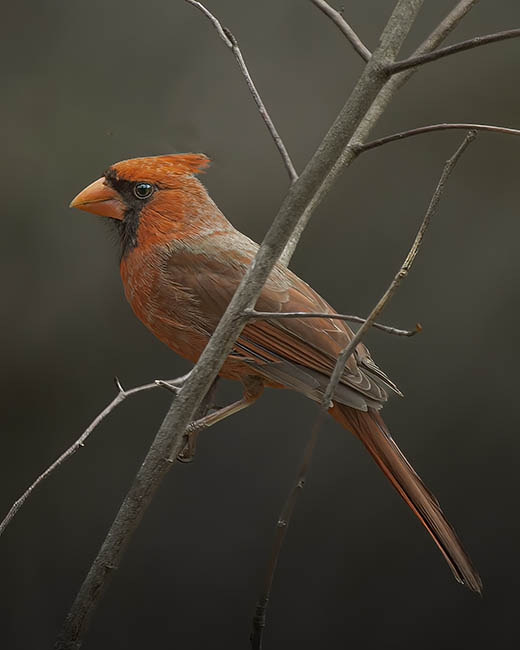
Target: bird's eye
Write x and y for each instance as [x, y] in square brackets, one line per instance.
[143, 190]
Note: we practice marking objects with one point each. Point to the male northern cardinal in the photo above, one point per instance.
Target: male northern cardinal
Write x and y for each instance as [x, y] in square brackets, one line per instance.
[181, 261]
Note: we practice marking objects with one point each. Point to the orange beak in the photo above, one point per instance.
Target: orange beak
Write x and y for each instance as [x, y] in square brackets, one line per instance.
[101, 199]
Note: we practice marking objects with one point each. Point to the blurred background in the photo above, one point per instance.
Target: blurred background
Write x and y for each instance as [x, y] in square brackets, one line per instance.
[90, 83]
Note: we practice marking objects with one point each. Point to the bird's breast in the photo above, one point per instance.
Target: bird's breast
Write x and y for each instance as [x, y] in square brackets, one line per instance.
[168, 309]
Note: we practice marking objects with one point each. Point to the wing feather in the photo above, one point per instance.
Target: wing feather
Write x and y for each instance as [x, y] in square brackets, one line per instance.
[303, 350]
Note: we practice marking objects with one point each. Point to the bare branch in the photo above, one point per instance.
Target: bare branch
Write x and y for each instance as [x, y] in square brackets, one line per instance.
[214, 20]
[477, 41]
[446, 26]
[80, 442]
[282, 525]
[400, 275]
[169, 440]
[232, 43]
[344, 27]
[172, 388]
[445, 126]
[257, 315]
[381, 101]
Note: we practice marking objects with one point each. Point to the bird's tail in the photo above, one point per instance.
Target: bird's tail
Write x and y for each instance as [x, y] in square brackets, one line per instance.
[371, 430]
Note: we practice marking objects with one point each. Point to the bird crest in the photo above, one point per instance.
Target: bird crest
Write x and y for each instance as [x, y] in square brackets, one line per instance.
[158, 169]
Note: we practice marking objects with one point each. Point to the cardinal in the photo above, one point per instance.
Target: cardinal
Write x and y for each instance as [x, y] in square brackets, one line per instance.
[181, 262]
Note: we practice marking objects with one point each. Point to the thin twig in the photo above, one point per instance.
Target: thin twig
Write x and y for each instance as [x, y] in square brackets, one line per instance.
[228, 38]
[446, 26]
[282, 525]
[257, 315]
[344, 27]
[477, 41]
[80, 442]
[400, 275]
[445, 126]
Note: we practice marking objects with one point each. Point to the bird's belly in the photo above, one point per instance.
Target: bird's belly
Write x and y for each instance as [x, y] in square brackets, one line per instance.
[181, 339]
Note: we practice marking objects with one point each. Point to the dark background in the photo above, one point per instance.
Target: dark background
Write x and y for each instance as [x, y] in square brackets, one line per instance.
[90, 83]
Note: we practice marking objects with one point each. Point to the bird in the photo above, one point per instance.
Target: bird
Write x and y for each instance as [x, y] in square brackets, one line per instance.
[181, 261]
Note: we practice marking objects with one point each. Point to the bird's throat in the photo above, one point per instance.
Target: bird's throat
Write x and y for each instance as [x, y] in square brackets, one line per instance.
[127, 230]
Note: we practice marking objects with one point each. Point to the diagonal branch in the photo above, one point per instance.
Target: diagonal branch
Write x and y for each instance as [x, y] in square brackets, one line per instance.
[400, 275]
[445, 126]
[169, 439]
[445, 27]
[80, 442]
[349, 155]
[262, 315]
[232, 43]
[344, 27]
[477, 41]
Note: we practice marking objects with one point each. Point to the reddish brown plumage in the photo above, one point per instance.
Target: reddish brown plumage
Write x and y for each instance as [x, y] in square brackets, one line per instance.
[181, 263]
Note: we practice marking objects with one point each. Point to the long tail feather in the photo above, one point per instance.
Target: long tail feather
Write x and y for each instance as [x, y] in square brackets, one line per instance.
[371, 430]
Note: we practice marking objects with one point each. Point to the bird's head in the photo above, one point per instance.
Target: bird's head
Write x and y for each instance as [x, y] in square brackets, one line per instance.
[151, 200]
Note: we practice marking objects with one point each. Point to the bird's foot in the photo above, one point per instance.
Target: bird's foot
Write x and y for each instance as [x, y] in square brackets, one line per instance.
[192, 431]
[188, 452]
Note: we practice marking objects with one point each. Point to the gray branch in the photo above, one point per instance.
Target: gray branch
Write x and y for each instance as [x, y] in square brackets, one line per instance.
[344, 27]
[80, 442]
[400, 275]
[477, 41]
[263, 315]
[232, 43]
[446, 126]
[282, 526]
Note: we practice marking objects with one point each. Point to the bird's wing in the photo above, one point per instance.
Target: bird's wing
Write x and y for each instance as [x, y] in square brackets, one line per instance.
[297, 352]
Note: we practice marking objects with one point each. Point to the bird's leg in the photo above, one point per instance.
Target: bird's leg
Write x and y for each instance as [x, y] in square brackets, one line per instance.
[253, 387]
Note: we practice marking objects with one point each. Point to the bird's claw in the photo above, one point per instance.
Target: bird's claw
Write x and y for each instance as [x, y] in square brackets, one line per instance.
[186, 455]
[188, 452]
